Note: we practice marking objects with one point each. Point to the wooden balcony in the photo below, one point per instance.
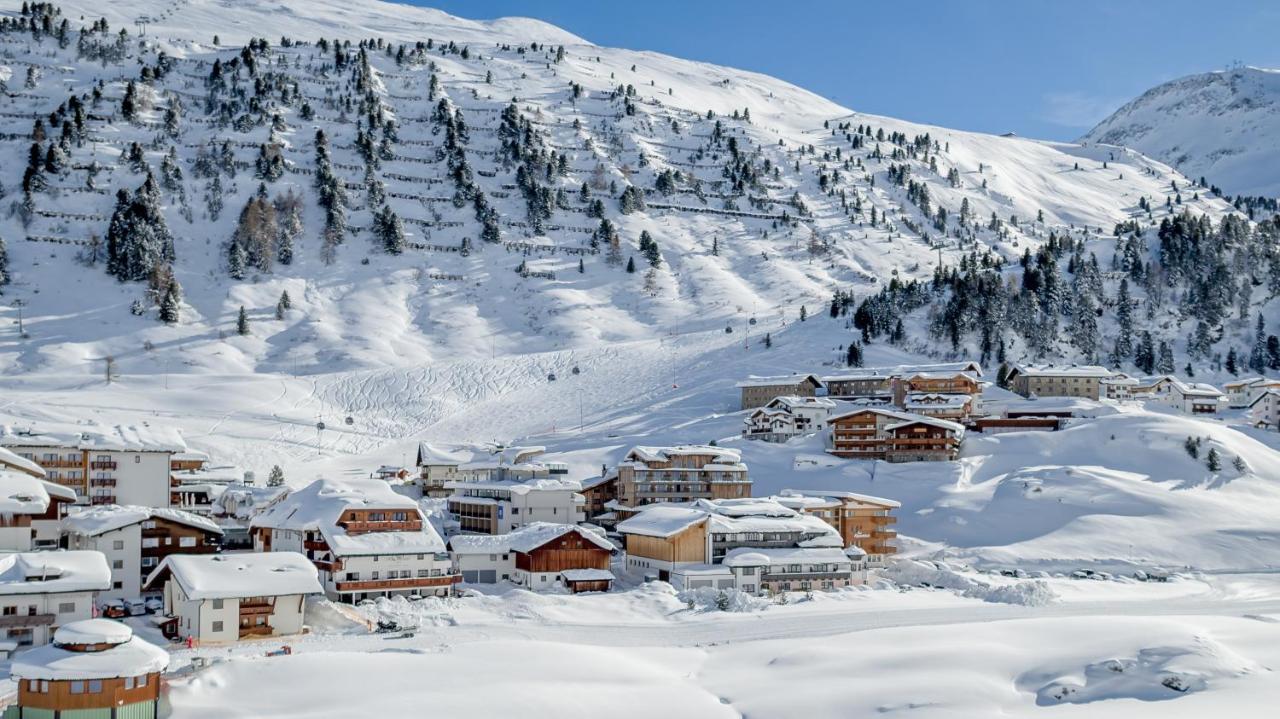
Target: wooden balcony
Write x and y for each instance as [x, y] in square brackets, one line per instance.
[264, 630]
[883, 519]
[99, 482]
[327, 565]
[14, 621]
[387, 526]
[399, 584]
[256, 608]
[61, 463]
[315, 545]
[103, 464]
[103, 499]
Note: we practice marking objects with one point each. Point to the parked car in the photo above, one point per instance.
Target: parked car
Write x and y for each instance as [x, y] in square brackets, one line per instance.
[136, 607]
[155, 605]
[114, 609]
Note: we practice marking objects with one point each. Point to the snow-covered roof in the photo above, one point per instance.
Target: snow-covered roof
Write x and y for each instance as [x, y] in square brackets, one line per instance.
[523, 540]
[96, 437]
[939, 368]
[780, 380]
[215, 474]
[720, 455]
[768, 556]
[48, 572]
[190, 455]
[319, 506]
[902, 419]
[128, 656]
[104, 518]
[430, 454]
[1246, 382]
[250, 574]
[936, 400]
[587, 575]
[9, 460]
[854, 496]
[726, 516]
[792, 402]
[1263, 395]
[931, 421]
[1063, 371]
[22, 493]
[520, 486]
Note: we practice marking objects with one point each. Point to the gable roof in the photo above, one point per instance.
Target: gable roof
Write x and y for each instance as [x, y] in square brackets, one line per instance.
[523, 540]
[792, 402]
[1091, 371]
[103, 518]
[721, 455]
[22, 493]
[318, 506]
[780, 380]
[227, 576]
[838, 494]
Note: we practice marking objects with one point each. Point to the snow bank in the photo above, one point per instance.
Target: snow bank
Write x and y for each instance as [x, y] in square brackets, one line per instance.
[908, 572]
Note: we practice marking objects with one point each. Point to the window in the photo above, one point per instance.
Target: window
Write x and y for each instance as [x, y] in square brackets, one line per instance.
[128, 682]
[77, 687]
[422, 573]
[148, 561]
[150, 542]
[186, 541]
[66, 607]
[748, 572]
[95, 686]
[117, 544]
[217, 603]
[142, 681]
[217, 626]
[117, 564]
[375, 575]
[117, 585]
[515, 510]
[137, 459]
[10, 611]
[353, 576]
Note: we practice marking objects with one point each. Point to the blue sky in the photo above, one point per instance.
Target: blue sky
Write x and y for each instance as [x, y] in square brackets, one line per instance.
[1038, 68]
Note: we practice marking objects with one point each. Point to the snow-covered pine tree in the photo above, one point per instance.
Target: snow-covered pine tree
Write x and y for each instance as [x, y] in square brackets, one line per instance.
[1258, 355]
[170, 305]
[389, 231]
[242, 322]
[4, 265]
[276, 477]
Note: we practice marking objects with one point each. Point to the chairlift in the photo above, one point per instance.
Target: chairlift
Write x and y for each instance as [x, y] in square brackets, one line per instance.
[728, 329]
[350, 420]
[551, 377]
[751, 321]
[576, 370]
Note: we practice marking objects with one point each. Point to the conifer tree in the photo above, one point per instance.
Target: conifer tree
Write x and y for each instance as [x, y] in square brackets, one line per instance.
[242, 322]
[1212, 460]
[169, 306]
[4, 264]
[276, 478]
[1258, 355]
[631, 265]
[389, 231]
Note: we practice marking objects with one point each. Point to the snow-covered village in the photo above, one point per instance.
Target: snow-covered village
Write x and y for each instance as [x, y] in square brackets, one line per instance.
[358, 359]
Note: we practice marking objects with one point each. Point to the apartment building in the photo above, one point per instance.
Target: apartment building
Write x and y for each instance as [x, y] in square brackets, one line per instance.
[786, 417]
[1058, 380]
[135, 540]
[893, 436]
[759, 391]
[862, 520]
[680, 474]
[753, 545]
[365, 539]
[31, 509]
[41, 591]
[103, 464]
[538, 557]
[502, 506]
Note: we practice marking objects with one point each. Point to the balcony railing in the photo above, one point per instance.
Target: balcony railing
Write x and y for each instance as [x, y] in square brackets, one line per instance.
[60, 463]
[256, 608]
[399, 584]
[13, 621]
[103, 464]
[104, 499]
[386, 526]
[99, 482]
[262, 630]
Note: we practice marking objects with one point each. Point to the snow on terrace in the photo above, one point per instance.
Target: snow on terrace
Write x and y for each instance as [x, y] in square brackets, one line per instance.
[729, 516]
[767, 556]
[110, 517]
[62, 571]
[523, 540]
[126, 655]
[224, 576]
[319, 506]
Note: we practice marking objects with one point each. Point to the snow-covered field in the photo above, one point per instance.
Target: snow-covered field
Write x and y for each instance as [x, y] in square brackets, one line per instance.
[388, 351]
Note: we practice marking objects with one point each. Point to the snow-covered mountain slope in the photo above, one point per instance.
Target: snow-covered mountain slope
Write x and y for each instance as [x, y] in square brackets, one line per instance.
[779, 200]
[1223, 126]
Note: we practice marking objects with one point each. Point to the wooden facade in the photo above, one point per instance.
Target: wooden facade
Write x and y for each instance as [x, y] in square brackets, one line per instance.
[758, 394]
[687, 545]
[866, 434]
[568, 551]
[683, 477]
[118, 693]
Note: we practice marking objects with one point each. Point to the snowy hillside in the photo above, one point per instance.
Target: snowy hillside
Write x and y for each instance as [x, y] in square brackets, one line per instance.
[759, 197]
[1223, 126]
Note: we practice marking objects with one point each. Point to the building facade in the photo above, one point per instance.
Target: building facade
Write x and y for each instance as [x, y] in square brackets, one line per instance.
[681, 474]
[1083, 381]
[893, 436]
[135, 540]
[41, 591]
[537, 557]
[759, 391]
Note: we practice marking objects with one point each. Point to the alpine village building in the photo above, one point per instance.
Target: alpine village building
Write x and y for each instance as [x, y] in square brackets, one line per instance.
[537, 556]
[41, 591]
[94, 669]
[31, 509]
[893, 436]
[365, 539]
[224, 598]
[135, 540]
[681, 474]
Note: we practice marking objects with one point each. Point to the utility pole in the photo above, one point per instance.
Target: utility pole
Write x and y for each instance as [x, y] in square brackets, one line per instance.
[19, 303]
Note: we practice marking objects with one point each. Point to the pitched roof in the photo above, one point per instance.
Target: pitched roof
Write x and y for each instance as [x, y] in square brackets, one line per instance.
[721, 455]
[318, 506]
[968, 367]
[249, 574]
[103, 518]
[780, 380]
[99, 437]
[767, 556]
[22, 493]
[1062, 371]
[61, 571]
[12, 461]
[523, 540]
[725, 515]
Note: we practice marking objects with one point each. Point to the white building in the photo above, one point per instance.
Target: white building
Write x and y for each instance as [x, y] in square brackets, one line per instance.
[136, 539]
[1264, 410]
[786, 417]
[1118, 386]
[197, 489]
[690, 545]
[103, 464]
[222, 598]
[1241, 392]
[40, 591]
[535, 557]
[364, 538]
[501, 506]
[1186, 397]
[30, 510]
